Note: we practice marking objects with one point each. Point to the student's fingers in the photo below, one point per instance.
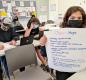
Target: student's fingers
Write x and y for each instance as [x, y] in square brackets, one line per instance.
[1, 47]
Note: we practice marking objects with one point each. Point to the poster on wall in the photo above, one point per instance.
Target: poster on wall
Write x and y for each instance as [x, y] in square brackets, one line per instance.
[5, 8]
[66, 49]
[23, 8]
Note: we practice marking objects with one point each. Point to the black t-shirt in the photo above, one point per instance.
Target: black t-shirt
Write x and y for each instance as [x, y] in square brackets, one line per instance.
[6, 36]
[34, 31]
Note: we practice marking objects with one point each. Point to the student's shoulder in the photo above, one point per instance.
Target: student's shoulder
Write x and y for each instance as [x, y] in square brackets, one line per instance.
[84, 26]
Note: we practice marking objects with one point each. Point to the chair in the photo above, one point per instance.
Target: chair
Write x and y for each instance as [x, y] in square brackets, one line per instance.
[23, 56]
[78, 76]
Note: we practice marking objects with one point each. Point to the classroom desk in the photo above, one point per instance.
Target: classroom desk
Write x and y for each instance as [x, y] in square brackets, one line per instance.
[35, 43]
[7, 46]
[78, 76]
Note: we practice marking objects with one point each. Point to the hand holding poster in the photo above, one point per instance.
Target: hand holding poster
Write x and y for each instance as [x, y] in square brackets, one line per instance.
[66, 49]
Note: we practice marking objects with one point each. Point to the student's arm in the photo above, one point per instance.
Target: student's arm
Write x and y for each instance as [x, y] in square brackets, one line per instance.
[28, 31]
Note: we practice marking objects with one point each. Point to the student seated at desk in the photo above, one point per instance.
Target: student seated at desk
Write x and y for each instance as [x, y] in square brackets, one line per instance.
[33, 29]
[7, 34]
[74, 18]
[16, 24]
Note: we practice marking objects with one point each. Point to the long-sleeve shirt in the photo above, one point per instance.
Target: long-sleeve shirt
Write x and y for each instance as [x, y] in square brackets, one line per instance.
[6, 36]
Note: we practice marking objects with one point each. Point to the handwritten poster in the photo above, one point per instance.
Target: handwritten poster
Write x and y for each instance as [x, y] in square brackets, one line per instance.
[66, 49]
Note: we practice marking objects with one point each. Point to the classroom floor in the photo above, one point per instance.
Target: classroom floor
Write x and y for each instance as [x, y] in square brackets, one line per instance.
[27, 75]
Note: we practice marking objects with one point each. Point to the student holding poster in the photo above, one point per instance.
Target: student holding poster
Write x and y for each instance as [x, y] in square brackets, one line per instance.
[74, 18]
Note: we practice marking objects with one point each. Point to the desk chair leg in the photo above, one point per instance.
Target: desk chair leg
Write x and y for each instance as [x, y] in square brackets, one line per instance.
[14, 77]
[4, 63]
[1, 76]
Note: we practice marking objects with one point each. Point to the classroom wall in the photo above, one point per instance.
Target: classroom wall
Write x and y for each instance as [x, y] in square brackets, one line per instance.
[63, 5]
[42, 9]
[22, 8]
[53, 10]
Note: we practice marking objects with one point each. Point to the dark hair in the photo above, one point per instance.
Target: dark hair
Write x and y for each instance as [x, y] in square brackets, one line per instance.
[33, 16]
[15, 18]
[69, 12]
[33, 19]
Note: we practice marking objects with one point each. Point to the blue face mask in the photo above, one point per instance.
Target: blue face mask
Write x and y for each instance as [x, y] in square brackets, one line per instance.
[75, 23]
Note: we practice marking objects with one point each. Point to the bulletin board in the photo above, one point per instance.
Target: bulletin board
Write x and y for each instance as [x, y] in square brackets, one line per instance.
[4, 7]
[23, 8]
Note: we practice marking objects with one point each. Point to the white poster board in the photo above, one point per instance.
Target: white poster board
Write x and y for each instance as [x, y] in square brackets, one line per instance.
[66, 49]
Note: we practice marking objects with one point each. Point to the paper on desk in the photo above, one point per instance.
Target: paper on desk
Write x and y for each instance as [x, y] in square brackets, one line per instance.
[6, 47]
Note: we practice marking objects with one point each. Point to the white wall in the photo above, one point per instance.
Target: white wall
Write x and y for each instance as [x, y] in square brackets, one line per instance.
[53, 10]
[63, 5]
[57, 8]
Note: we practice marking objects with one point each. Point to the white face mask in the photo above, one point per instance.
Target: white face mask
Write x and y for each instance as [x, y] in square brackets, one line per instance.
[35, 26]
[4, 28]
